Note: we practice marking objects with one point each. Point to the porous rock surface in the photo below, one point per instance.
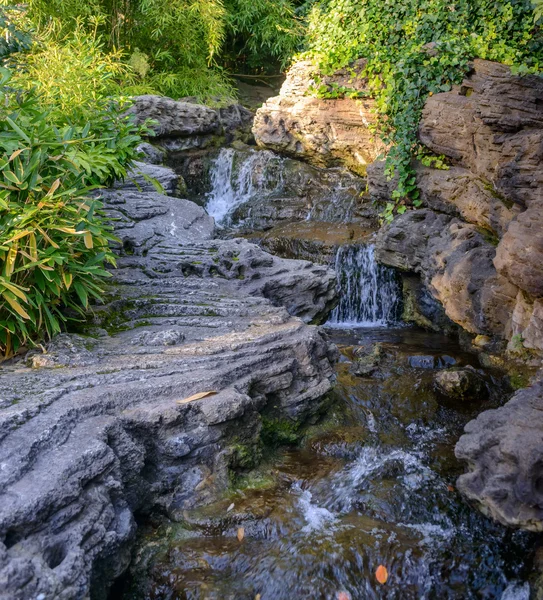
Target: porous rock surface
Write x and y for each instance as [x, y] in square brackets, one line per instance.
[96, 430]
[181, 126]
[324, 132]
[504, 452]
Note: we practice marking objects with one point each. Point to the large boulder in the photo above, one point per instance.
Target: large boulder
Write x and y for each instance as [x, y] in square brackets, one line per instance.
[504, 452]
[493, 125]
[324, 132]
[455, 262]
[144, 412]
[181, 126]
[491, 130]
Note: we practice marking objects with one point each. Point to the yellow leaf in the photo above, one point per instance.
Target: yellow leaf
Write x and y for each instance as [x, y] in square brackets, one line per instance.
[381, 574]
[54, 187]
[47, 238]
[16, 306]
[10, 260]
[33, 246]
[14, 290]
[68, 278]
[241, 534]
[196, 397]
[88, 240]
[18, 236]
[15, 154]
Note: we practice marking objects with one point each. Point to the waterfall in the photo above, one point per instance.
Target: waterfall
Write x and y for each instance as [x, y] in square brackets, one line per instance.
[371, 295]
[236, 177]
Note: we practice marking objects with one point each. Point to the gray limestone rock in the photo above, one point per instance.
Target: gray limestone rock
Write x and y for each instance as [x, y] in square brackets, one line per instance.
[504, 452]
[101, 428]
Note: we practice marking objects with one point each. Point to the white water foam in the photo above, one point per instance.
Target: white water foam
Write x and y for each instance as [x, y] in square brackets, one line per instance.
[370, 294]
[236, 178]
[517, 591]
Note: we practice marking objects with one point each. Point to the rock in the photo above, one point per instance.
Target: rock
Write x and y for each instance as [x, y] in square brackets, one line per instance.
[175, 119]
[323, 132]
[455, 262]
[461, 384]
[486, 265]
[107, 433]
[367, 360]
[421, 308]
[456, 192]
[153, 155]
[519, 255]
[145, 177]
[181, 126]
[504, 453]
[492, 125]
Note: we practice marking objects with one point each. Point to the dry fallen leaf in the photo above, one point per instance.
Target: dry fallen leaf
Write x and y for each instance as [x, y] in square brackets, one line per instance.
[343, 596]
[258, 596]
[196, 397]
[381, 574]
[241, 534]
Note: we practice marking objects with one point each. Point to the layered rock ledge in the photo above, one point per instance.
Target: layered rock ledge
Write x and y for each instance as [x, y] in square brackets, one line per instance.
[482, 255]
[98, 429]
[324, 132]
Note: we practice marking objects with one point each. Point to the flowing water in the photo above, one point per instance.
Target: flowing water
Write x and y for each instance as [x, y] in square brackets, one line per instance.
[251, 187]
[236, 178]
[370, 293]
[373, 484]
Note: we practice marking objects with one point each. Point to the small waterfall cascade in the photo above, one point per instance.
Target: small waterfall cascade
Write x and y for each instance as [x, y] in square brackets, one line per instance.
[237, 177]
[371, 295]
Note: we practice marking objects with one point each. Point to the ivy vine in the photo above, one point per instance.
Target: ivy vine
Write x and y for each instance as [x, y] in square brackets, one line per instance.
[416, 48]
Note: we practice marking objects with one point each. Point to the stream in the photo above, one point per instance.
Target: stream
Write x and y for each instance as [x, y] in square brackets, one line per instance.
[371, 484]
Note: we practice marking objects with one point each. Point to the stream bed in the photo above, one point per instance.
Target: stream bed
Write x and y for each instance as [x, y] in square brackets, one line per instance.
[373, 484]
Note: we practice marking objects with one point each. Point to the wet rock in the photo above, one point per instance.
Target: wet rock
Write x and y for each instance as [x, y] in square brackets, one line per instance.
[367, 360]
[323, 132]
[455, 262]
[504, 453]
[461, 384]
[421, 308]
[111, 430]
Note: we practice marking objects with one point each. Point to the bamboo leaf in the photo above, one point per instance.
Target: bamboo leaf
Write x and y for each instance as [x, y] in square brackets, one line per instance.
[11, 300]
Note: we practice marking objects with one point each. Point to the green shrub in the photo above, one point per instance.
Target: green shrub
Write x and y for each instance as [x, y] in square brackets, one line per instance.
[181, 47]
[14, 30]
[71, 73]
[402, 71]
[53, 240]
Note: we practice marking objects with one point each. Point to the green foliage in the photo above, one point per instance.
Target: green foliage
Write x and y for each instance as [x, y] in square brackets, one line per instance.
[14, 37]
[179, 47]
[414, 49]
[264, 31]
[72, 73]
[53, 241]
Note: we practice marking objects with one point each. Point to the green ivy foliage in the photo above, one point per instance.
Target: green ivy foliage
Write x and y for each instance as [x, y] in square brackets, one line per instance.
[415, 48]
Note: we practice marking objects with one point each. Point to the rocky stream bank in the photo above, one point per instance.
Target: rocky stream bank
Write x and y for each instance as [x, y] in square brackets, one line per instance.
[205, 358]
